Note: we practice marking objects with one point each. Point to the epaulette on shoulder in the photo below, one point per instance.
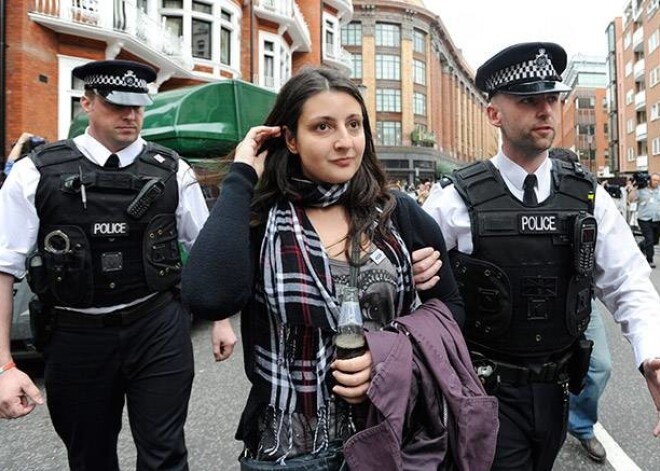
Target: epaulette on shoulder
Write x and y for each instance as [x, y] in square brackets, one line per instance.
[164, 151]
[161, 156]
[477, 183]
[471, 169]
[55, 153]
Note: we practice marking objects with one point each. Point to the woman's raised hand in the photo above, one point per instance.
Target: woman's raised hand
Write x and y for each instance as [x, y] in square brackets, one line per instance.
[247, 150]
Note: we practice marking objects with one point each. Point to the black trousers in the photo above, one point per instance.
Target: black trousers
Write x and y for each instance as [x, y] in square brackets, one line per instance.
[91, 371]
[651, 232]
[532, 426]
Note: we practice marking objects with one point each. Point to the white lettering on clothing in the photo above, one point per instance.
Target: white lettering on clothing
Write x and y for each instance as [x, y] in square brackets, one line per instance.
[535, 223]
[110, 228]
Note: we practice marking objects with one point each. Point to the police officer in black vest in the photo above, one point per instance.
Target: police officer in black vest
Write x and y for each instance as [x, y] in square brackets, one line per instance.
[530, 239]
[106, 212]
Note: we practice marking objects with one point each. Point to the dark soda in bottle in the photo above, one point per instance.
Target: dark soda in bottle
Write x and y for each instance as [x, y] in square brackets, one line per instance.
[350, 341]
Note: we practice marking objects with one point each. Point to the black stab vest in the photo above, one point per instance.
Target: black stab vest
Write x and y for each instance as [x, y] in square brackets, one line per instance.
[93, 253]
[524, 298]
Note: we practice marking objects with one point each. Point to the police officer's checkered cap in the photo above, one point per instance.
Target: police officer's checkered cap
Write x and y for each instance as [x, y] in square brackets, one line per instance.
[518, 67]
[116, 75]
[522, 72]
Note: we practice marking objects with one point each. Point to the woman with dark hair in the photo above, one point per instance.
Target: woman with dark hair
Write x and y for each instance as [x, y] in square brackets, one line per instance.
[304, 194]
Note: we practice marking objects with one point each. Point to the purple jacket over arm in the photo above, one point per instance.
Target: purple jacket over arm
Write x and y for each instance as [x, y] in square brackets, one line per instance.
[426, 356]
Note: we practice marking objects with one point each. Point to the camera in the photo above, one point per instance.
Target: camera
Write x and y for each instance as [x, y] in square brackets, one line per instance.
[641, 179]
[32, 143]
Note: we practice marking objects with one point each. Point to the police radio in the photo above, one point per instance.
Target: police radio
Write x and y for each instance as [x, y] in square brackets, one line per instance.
[584, 243]
[147, 195]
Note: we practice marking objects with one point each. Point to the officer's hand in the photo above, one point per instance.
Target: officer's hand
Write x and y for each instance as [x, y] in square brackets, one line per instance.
[651, 370]
[426, 264]
[223, 340]
[18, 394]
[247, 149]
[353, 378]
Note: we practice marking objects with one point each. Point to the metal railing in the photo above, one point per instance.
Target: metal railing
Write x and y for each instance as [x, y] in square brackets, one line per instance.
[116, 15]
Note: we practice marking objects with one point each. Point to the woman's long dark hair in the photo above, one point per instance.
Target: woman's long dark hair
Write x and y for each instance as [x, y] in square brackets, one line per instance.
[367, 199]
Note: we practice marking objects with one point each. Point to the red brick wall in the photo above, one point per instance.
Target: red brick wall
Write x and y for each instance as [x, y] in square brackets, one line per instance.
[31, 52]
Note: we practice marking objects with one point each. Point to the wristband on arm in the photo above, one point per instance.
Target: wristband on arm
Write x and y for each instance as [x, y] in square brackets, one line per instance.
[7, 366]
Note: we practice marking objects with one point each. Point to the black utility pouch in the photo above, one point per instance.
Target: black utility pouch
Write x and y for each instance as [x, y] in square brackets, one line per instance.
[37, 276]
[67, 258]
[41, 323]
[578, 365]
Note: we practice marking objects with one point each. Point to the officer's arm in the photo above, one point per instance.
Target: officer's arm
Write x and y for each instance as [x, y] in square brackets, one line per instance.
[6, 307]
[18, 394]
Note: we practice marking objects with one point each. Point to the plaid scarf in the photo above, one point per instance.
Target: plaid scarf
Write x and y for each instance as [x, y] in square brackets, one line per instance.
[298, 294]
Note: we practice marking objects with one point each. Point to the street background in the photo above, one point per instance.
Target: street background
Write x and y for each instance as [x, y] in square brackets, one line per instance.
[220, 391]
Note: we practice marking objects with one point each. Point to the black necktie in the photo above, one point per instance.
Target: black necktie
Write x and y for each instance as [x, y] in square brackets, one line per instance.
[112, 162]
[529, 196]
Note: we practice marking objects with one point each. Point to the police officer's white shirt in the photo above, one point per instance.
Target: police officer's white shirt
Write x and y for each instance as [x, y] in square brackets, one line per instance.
[622, 280]
[19, 221]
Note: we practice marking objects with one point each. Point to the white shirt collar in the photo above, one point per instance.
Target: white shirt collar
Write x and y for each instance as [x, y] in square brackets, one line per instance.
[514, 176]
[98, 153]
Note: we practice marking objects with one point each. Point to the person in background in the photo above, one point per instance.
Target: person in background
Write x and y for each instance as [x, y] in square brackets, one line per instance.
[530, 240]
[21, 148]
[648, 216]
[304, 200]
[105, 212]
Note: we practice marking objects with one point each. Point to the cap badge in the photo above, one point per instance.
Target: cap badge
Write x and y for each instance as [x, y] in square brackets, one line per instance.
[542, 60]
[130, 79]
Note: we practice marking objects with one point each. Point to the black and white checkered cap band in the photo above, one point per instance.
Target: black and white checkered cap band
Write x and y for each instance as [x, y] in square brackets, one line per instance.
[127, 81]
[522, 72]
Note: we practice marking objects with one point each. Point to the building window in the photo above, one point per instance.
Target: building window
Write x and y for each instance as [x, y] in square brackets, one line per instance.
[225, 46]
[285, 64]
[388, 133]
[202, 7]
[275, 61]
[70, 90]
[585, 103]
[388, 35]
[227, 32]
[419, 41]
[630, 125]
[630, 96]
[627, 40]
[655, 146]
[209, 26]
[388, 100]
[269, 64]
[419, 72]
[631, 154]
[655, 111]
[628, 68]
[330, 48]
[356, 65]
[653, 41]
[419, 103]
[201, 39]
[174, 24]
[388, 67]
[351, 34]
[654, 76]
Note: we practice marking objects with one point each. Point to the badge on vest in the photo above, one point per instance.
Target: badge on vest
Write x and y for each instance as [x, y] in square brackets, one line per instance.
[540, 223]
[109, 229]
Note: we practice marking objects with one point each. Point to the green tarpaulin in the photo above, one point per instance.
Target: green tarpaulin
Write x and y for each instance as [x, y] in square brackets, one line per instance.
[201, 121]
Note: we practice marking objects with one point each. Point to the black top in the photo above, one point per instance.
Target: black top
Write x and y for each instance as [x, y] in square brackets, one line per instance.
[218, 279]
